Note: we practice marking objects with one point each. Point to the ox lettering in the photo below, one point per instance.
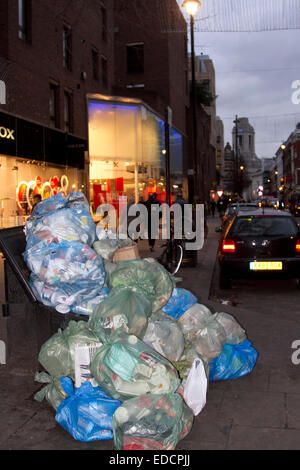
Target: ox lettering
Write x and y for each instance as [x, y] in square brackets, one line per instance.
[7, 133]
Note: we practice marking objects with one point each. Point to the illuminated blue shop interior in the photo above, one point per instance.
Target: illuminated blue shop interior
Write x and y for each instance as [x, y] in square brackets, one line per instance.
[126, 149]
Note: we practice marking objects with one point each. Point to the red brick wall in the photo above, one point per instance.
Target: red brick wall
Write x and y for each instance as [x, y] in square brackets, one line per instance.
[32, 66]
[163, 30]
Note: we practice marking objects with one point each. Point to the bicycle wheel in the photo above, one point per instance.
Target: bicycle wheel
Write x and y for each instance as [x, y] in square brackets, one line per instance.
[172, 256]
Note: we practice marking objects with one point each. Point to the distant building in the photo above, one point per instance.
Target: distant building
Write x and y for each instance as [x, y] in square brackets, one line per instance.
[220, 146]
[228, 172]
[243, 142]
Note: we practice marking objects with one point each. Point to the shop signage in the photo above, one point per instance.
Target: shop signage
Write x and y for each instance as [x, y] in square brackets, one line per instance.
[7, 133]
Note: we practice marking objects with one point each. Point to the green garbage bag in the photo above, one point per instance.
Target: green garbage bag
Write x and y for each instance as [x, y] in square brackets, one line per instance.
[57, 355]
[122, 309]
[151, 422]
[126, 367]
[185, 363]
[53, 391]
[146, 277]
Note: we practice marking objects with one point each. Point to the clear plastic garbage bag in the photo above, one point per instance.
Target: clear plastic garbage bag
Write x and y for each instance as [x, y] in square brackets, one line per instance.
[87, 412]
[88, 306]
[193, 320]
[165, 336]
[180, 301]
[235, 334]
[127, 367]
[210, 340]
[152, 422]
[57, 355]
[235, 362]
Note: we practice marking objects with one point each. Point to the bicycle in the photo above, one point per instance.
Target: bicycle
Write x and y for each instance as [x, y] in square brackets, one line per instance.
[172, 256]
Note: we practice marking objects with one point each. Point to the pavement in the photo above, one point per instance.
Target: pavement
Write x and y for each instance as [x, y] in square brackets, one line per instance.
[260, 411]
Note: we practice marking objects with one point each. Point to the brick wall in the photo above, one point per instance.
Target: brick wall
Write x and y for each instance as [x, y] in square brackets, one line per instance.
[163, 30]
[33, 65]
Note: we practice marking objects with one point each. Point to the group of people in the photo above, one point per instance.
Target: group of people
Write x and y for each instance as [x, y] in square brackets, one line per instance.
[221, 206]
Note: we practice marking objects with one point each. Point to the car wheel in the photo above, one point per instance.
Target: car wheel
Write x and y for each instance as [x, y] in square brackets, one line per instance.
[224, 280]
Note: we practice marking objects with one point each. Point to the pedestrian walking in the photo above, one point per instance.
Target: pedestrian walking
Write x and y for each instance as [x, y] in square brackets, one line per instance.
[152, 204]
[213, 206]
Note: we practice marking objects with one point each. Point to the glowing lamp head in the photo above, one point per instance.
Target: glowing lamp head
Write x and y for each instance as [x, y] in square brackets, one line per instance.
[191, 6]
[298, 246]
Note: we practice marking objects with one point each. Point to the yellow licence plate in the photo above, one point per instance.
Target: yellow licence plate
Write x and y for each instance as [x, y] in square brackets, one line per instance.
[266, 266]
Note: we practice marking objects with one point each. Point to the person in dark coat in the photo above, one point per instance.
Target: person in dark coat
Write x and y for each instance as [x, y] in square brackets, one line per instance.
[152, 201]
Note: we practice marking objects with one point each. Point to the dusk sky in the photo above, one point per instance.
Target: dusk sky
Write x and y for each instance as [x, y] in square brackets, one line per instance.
[254, 70]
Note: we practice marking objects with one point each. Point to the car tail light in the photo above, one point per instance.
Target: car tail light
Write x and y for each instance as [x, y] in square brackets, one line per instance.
[298, 246]
[228, 246]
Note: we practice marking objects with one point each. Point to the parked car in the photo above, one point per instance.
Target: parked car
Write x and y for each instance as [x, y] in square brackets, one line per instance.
[233, 208]
[260, 244]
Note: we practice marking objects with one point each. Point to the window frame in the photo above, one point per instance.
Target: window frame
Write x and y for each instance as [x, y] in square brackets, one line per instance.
[95, 64]
[67, 47]
[24, 20]
[68, 97]
[55, 117]
[104, 71]
[131, 69]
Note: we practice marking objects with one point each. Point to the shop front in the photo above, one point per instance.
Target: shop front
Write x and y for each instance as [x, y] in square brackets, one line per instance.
[127, 152]
[35, 160]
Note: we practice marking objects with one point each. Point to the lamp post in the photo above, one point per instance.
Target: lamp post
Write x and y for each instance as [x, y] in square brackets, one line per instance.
[191, 7]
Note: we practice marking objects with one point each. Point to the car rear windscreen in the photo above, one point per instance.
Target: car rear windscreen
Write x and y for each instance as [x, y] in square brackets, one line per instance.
[264, 226]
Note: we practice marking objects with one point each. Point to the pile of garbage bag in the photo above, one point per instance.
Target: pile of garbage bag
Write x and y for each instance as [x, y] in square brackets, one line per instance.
[66, 272]
[138, 369]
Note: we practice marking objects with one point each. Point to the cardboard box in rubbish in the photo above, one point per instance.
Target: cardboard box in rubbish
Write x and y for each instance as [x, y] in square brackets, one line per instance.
[126, 253]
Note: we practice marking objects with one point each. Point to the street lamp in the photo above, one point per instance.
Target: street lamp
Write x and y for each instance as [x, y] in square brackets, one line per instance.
[191, 7]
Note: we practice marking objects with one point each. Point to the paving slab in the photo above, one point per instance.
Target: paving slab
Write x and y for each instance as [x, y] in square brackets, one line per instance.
[263, 438]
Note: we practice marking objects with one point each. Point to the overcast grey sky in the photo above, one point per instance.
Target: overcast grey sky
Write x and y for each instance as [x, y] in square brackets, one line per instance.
[255, 70]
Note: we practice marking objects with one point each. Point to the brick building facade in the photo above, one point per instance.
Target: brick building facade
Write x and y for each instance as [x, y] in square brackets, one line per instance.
[49, 47]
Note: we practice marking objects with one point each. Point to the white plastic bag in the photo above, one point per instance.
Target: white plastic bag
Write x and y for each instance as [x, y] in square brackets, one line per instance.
[195, 388]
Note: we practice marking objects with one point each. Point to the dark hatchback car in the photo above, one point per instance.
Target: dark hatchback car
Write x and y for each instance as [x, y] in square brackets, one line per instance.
[233, 208]
[260, 244]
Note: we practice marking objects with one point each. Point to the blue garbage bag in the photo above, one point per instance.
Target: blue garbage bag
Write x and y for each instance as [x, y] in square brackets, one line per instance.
[87, 412]
[180, 301]
[234, 362]
[69, 262]
[61, 218]
[81, 297]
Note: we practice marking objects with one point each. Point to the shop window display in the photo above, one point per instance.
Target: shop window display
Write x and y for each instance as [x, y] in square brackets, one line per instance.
[21, 180]
[127, 146]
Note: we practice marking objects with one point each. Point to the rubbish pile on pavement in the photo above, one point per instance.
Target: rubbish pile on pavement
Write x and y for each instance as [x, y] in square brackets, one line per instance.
[137, 369]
